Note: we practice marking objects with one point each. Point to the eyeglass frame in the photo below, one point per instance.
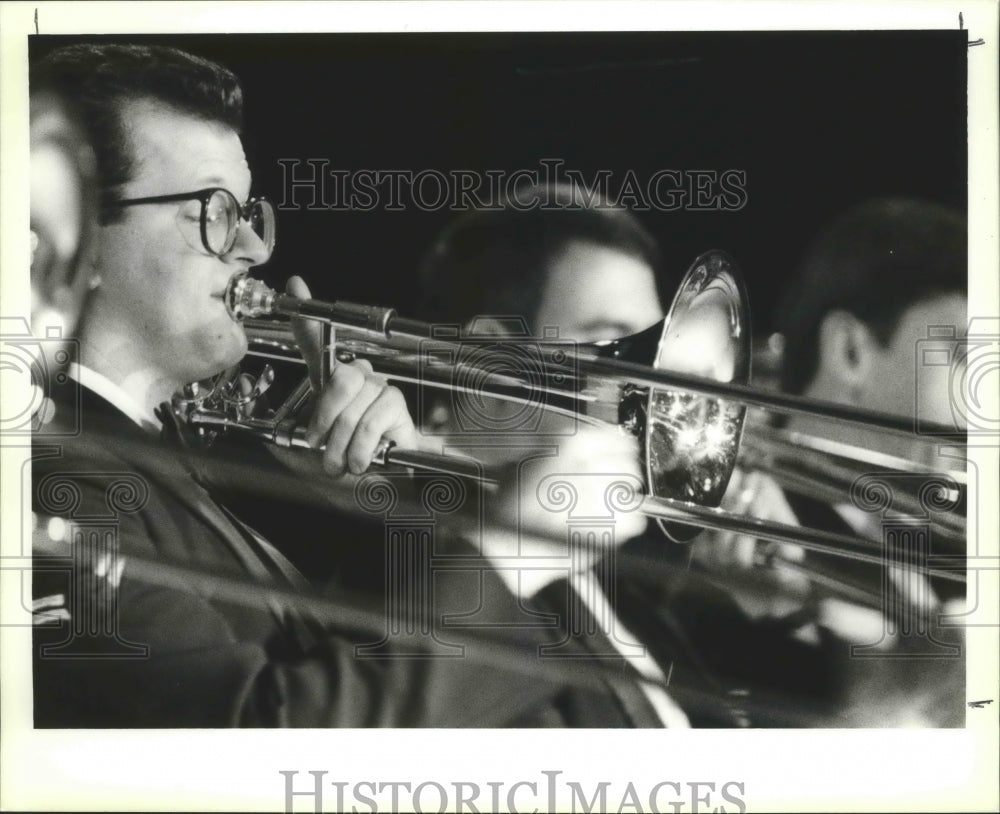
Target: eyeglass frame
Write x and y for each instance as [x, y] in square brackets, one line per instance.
[203, 196]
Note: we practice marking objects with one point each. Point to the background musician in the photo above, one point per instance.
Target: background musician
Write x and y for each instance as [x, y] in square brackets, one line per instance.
[568, 264]
[866, 297]
[867, 290]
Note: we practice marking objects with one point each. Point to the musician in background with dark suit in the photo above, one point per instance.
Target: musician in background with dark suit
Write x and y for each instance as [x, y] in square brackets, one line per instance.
[870, 289]
[870, 285]
[561, 258]
[556, 263]
[176, 224]
[590, 272]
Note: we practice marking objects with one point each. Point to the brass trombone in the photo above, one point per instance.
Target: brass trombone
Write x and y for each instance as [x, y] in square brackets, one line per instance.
[688, 406]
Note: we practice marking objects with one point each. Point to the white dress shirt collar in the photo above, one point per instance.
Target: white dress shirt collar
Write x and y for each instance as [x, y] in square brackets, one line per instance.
[590, 592]
[114, 395]
[548, 562]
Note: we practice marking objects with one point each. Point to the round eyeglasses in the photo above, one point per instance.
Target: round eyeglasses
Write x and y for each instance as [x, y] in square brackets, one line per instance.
[221, 215]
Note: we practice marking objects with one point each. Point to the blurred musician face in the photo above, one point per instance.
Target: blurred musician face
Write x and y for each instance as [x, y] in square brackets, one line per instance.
[896, 381]
[594, 293]
[589, 293]
[157, 320]
[856, 368]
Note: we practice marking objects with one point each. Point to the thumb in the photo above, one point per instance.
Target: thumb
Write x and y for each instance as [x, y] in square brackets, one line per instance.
[308, 332]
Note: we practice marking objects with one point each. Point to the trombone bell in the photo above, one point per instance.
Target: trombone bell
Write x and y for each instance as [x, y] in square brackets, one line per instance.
[691, 442]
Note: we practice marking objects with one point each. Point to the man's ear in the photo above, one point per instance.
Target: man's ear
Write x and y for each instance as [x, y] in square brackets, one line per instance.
[846, 349]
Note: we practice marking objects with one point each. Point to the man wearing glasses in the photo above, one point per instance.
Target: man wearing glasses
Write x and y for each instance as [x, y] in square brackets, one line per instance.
[177, 222]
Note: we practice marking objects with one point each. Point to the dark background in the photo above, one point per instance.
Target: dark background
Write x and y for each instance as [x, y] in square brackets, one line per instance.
[818, 121]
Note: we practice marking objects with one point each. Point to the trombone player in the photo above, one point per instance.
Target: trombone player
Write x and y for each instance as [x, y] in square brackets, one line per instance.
[873, 286]
[177, 220]
[555, 256]
[541, 265]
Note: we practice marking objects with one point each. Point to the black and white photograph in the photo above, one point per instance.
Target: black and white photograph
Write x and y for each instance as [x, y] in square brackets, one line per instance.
[403, 402]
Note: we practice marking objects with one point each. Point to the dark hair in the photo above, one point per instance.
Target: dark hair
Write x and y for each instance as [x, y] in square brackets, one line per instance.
[873, 261]
[101, 79]
[494, 261]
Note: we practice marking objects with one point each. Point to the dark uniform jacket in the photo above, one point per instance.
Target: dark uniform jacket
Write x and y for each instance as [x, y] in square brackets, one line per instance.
[124, 646]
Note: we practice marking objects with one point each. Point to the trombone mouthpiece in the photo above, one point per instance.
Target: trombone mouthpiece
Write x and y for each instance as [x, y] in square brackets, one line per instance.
[247, 297]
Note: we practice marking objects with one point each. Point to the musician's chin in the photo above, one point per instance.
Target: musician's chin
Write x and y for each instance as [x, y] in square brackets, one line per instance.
[235, 344]
[223, 347]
